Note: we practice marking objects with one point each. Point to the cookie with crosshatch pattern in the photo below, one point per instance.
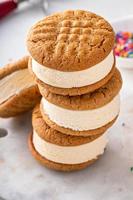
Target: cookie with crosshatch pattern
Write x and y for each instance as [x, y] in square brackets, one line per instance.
[72, 50]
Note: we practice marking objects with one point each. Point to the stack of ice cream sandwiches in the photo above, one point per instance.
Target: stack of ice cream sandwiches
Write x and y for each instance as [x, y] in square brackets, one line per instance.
[73, 64]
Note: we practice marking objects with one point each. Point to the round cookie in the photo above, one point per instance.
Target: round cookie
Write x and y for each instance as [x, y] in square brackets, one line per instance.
[50, 137]
[53, 165]
[68, 131]
[91, 100]
[70, 91]
[71, 52]
[84, 115]
[72, 40]
[19, 92]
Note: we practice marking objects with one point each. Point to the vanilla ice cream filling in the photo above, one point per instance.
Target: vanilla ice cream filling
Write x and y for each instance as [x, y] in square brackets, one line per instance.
[74, 79]
[14, 83]
[69, 154]
[84, 119]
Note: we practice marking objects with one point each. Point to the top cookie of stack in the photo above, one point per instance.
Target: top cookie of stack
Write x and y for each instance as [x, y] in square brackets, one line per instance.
[71, 52]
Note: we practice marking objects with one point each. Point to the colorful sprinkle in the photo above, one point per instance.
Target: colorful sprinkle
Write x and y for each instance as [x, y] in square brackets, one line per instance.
[124, 44]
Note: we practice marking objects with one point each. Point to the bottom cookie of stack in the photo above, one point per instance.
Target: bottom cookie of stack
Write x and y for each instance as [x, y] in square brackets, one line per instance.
[63, 152]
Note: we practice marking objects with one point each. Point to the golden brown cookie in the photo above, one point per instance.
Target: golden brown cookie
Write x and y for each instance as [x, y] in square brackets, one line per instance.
[91, 100]
[70, 91]
[52, 135]
[62, 152]
[19, 92]
[68, 131]
[56, 166]
[83, 115]
[72, 40]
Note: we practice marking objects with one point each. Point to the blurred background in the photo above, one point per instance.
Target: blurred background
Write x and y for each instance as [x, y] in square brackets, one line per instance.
[14, 27]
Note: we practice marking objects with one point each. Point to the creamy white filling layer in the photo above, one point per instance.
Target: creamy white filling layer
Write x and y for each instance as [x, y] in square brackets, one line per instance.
[14, 83]
[74, 79]
[84, 119]
[69, 154]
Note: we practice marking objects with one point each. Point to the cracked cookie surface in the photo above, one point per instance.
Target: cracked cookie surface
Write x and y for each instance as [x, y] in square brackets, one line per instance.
[70, 91]
[91, 100]
[53, 136]
[70, 40]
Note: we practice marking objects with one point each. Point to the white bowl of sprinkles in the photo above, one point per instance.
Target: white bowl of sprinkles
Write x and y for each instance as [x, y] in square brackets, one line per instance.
[124, 58]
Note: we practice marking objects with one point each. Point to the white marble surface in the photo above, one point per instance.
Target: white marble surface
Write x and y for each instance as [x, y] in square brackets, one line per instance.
[110, 178]
[21, 177]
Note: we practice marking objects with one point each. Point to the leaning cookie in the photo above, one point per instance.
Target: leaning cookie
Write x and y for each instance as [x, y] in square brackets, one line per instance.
[19, 92]
[84, 115]
[63, 152]
[71, 52]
